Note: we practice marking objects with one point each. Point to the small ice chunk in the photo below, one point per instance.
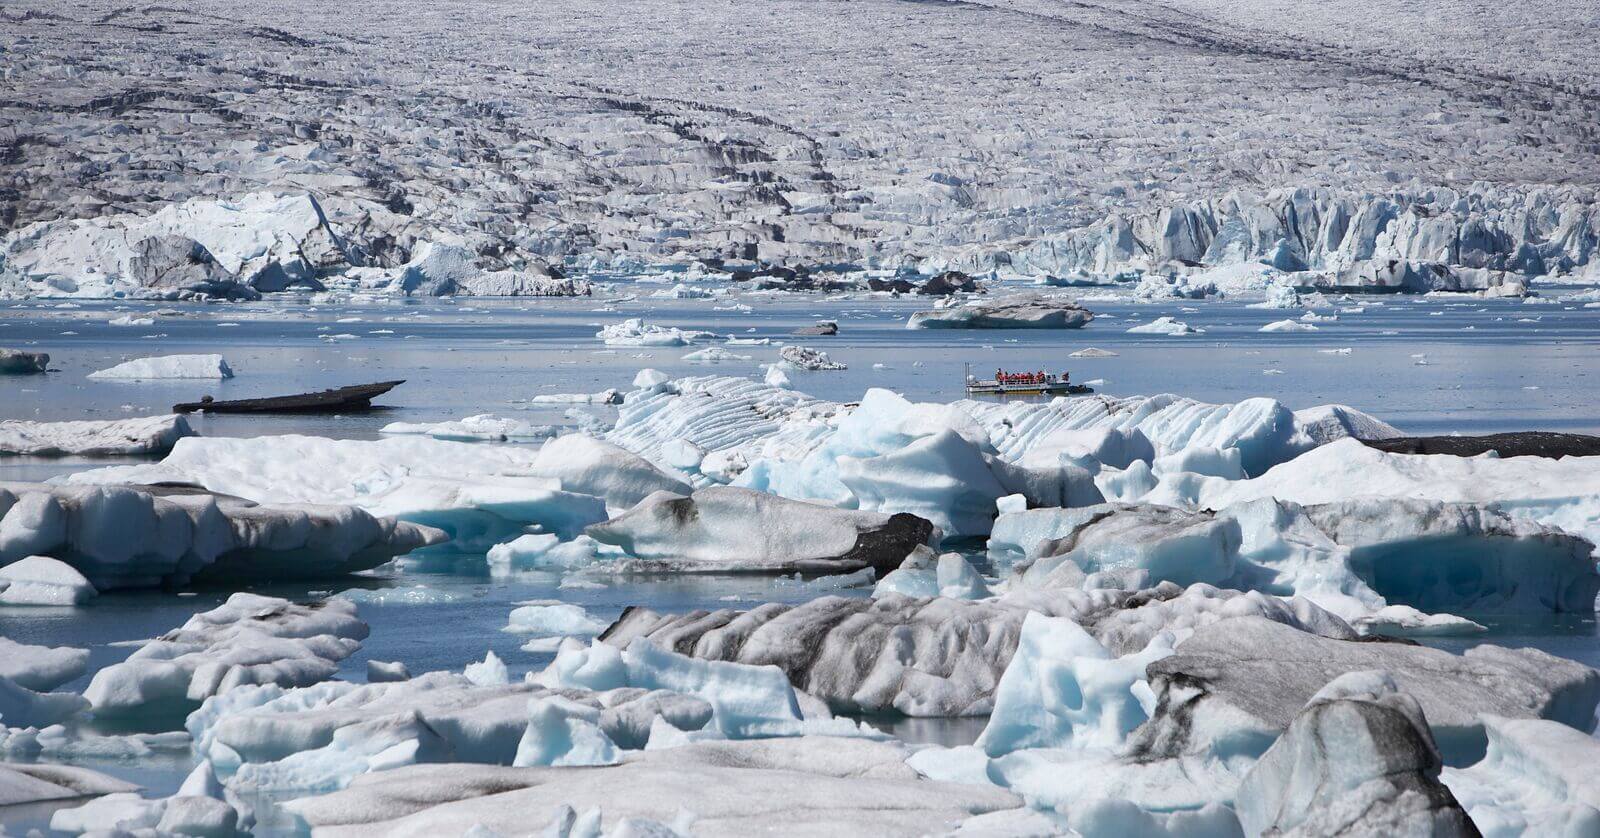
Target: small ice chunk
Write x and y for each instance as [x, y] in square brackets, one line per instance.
[489, 672]
[379, 672]
[40, 580]
[648, 377]
[1405, 621]
[554, 618]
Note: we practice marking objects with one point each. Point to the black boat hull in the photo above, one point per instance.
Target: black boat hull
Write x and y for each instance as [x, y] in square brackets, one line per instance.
[339, 400]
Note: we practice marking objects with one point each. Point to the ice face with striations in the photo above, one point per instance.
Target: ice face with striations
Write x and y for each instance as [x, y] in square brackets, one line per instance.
[247, 640]
[142, 536]
[144, 435]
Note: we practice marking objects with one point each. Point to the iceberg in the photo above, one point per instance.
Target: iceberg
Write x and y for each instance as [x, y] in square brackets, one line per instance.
[1165, 326]
[591, 466]
[937, 656]
[1288, 326]
[815, 785]
[1562, 493]
[1010, 313]
[248, 640]
[1536, 778]
[1353, 557]
[142, 536]
[22, 783]
[635, 332]
[724, 528]
[41, 668]
[483, 426]
[805, 358]
[1236, 685]
[1357, 760]
[167, 366]
[19, 362]
[41, 580]
[93, 438]
[480, 495]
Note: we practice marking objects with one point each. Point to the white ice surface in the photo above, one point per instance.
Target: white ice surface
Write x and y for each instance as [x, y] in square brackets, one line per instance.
[167, 366]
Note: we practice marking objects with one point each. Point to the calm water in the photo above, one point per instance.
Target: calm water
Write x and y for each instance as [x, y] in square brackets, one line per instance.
[1490, 366]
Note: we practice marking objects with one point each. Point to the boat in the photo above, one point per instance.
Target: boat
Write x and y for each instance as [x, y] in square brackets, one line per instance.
[1025, 384]
[338, 400]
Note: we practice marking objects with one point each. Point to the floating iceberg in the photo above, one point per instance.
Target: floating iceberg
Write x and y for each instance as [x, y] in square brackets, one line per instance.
[806, 358]
[40, 580]
[40, 668]
[1537, 778]
[812, 785]
[938, 656]
[23, 783]
[635, 332]
[723, 528]
[145, 435]
[484, 426]
[1012, 313]
[712, 354]
[1235, 686]
[141, 536]
[247, 640]
[1288, 326]
[1351, 557]
[1562, 493]
[479, 495]
[595, 467]
[1165, 326]
[167, 366]
[1358, 760]
[18, 362]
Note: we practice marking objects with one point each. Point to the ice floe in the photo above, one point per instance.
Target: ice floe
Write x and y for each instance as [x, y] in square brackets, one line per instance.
[141, 536]
[722, 528]
[812, 785]
[248, 640]
[20, 362]
[41, 580]
[144, 435]
[167, 366]
[478, 494]
[635, 332]
[483, 426]
[28, 783]
[1009, 313]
